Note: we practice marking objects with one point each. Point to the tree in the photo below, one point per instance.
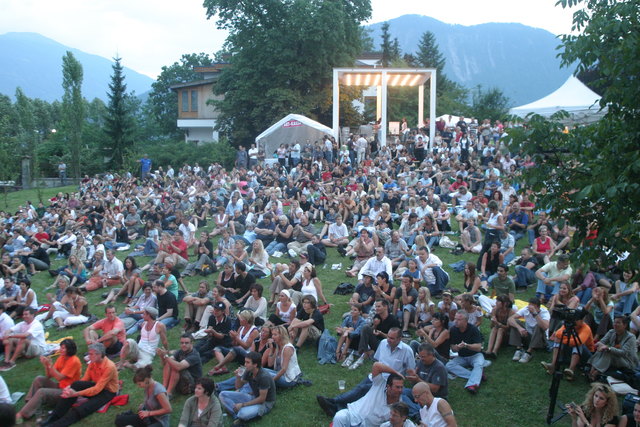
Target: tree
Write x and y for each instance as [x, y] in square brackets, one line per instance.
[591, 173]
[119, 121]
[489, 104]
[281, 59]
[162, 104]
[73, 107]
[386, 46]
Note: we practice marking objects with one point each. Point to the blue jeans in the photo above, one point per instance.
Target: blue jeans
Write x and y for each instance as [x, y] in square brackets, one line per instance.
[469, 367]
[524, 276]
[280, 382]
[626, 303]
[170, 322]
[547, 290]
[584, 295]
[531, 234]
[414, 408]
[433, 241]
[275, 247]
[518, 234]
[354, 394]
[230, 398]
[230, 385]
[509, 257]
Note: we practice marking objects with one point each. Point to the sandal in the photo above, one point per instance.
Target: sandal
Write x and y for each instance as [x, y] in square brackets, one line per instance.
[218, 371]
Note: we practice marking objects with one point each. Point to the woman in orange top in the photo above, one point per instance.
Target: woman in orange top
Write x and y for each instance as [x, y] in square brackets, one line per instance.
[47, 389]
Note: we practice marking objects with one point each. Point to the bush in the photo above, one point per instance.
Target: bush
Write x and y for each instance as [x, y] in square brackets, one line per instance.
[177, 153]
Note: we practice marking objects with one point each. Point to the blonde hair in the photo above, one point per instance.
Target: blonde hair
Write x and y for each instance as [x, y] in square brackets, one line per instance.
[420, 241]
[611, 408]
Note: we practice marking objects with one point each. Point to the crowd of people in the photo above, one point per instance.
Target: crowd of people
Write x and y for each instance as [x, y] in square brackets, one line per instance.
[386, 208]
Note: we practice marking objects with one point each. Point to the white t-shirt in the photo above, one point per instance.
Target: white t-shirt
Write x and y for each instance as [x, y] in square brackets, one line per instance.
[35, 331]
[372, 408]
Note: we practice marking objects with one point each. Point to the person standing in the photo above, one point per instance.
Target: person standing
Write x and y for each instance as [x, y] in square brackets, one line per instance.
[145, 166]
[62, 172]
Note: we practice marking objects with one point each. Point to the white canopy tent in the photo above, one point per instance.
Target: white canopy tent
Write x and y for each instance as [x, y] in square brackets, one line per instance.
[573, 96]
[289, 130]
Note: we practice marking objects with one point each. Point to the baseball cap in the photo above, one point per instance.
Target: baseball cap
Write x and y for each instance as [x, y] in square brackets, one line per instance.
[219, 306]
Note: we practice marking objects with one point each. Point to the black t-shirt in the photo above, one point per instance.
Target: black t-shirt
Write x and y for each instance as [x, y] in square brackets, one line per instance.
[193, 359]
[167, 301]
[471, 335]
[386, 324]
[244, 283]
[262, 381]
[223, 327]
[318, 319]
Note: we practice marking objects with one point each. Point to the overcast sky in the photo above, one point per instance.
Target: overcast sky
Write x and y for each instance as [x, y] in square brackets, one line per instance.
[148, 34]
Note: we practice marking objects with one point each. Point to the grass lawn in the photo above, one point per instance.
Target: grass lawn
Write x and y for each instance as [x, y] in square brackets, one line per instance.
[515, 395]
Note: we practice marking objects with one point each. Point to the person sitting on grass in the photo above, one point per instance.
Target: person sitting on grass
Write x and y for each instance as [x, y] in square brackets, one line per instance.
[600, 408]
[242, 341]
[203, 408]
[282, 359]
[113, 332]
[155, 411]
[580, 351]
[196, 303]
[434, 411]
[373, 408]
[110, 274]
[391, 352]
[99, 385]
[308, 324]
[500, 315]
[530, 332]
[399, 416]
[47, 389]
[259, 401]
[466, 340]
[72, 310]
[181, 368]
[26, 339]
[348, 333]
[430, 371]
[616, 350]
[404, 307]
[142, 352]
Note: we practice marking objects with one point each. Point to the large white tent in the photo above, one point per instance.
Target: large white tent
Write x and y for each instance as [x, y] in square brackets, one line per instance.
[573, 96]
[289, 130]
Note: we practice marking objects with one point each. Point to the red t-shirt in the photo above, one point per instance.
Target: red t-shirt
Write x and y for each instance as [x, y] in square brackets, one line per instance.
[182, 245]
[41, 236]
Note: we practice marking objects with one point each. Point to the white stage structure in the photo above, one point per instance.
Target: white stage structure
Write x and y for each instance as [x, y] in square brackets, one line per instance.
[381, 78]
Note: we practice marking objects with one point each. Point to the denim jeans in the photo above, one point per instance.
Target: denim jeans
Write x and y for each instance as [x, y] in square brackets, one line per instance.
[275, 247]
[280, 382]
[524, 276]
[230, 398]
[469, 367]
[547, 290]
[354, 394]
[230, 385]
[170, 322]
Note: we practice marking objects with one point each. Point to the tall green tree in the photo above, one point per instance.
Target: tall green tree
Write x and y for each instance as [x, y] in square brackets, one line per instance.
[119, 119]
[386, 46]
[489, 104]
[73, 107]
[591, 173]
[162, 104]
[282, 54]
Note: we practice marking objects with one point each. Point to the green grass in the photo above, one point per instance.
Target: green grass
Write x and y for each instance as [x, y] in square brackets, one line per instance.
[515, 394]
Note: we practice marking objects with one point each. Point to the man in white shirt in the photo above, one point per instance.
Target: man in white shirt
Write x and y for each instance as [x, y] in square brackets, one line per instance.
[373, 408]
[110, 274]
[24, 339]
[6, 322]
[338, 234]
[430, 268]
[530, 332]
[376, 264]
[188, 231]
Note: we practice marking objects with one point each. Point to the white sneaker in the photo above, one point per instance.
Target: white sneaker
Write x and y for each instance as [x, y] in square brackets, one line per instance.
[525, 358]
[517, 355]
[357, 363]
[292, 253]
[348, 361]
[277, 254]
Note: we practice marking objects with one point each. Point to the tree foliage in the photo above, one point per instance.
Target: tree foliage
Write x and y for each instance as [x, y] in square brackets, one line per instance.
[162, 104]
[119, 119]
[73, 107]
[282, 54]
[591, 173]
[489, 104]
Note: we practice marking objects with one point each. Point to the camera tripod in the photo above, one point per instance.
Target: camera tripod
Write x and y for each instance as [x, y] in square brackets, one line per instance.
[564, 358]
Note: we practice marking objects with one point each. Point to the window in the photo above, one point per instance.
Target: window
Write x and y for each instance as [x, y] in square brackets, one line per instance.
[185, 100]
[194, 100]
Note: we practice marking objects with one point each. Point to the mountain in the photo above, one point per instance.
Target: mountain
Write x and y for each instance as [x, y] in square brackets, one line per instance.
[34, 63]
[519, 60]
